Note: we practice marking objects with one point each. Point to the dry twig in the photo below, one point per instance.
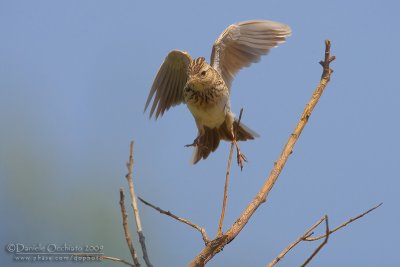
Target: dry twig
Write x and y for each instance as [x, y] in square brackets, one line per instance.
[320, 245]
[117, 260]
[297, 241]
[170, 214]
[344, 224]
[126, 227]
[135, 208]
[307, 235]
[102, 257]
[212, 248]
[228, 169]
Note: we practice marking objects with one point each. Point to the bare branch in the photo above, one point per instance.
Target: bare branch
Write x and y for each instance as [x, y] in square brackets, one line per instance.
[116, 259]
[321, 245]
[343, 224]
[170, 214]
[228, 169]
[307, 235]
[126, 227]
[135, 208]
[209, 251]
[298, 240]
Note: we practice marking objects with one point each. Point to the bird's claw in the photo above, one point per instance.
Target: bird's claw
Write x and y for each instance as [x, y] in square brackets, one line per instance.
[193, 144]
[241, 158]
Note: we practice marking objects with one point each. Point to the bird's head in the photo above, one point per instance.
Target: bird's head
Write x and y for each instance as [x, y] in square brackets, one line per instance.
[201, 75]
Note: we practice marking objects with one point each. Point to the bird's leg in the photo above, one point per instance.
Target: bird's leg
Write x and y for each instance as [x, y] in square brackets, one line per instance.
[241, 158]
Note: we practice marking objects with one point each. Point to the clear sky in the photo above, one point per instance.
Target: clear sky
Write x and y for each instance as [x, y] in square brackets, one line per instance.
[74, 78]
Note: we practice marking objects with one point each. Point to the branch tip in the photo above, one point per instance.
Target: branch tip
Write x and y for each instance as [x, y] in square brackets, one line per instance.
[135, 207]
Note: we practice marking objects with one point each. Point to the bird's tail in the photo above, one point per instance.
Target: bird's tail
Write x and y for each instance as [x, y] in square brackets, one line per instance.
[243, 132]
[209, 141]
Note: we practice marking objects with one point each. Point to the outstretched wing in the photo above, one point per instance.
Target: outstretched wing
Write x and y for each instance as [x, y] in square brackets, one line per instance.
[244, 43]
[167, 88]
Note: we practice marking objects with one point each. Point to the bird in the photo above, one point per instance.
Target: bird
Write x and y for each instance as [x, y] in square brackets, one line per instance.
[205, 87]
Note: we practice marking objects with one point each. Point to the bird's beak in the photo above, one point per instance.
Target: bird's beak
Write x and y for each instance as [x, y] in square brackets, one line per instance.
[189, 81]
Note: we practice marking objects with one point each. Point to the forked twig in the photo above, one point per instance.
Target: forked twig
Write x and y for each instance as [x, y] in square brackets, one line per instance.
[344, 224]
[170, 214]
[297, 241]
[228, 169]
[320, 245]
[135, 208]
[307, 235]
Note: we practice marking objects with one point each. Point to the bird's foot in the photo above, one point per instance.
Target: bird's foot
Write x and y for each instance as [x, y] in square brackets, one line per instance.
[196, 143]
[241, 158]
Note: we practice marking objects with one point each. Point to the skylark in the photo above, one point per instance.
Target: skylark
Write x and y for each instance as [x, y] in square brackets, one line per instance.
[205, 88]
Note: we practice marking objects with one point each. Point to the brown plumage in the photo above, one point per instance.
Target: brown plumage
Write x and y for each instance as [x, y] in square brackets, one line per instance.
[205, 88]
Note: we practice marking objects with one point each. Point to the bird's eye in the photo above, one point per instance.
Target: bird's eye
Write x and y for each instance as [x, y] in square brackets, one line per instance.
[203, 73]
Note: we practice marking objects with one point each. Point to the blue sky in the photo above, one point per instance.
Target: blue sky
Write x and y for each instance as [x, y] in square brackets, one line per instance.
[74, 78]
